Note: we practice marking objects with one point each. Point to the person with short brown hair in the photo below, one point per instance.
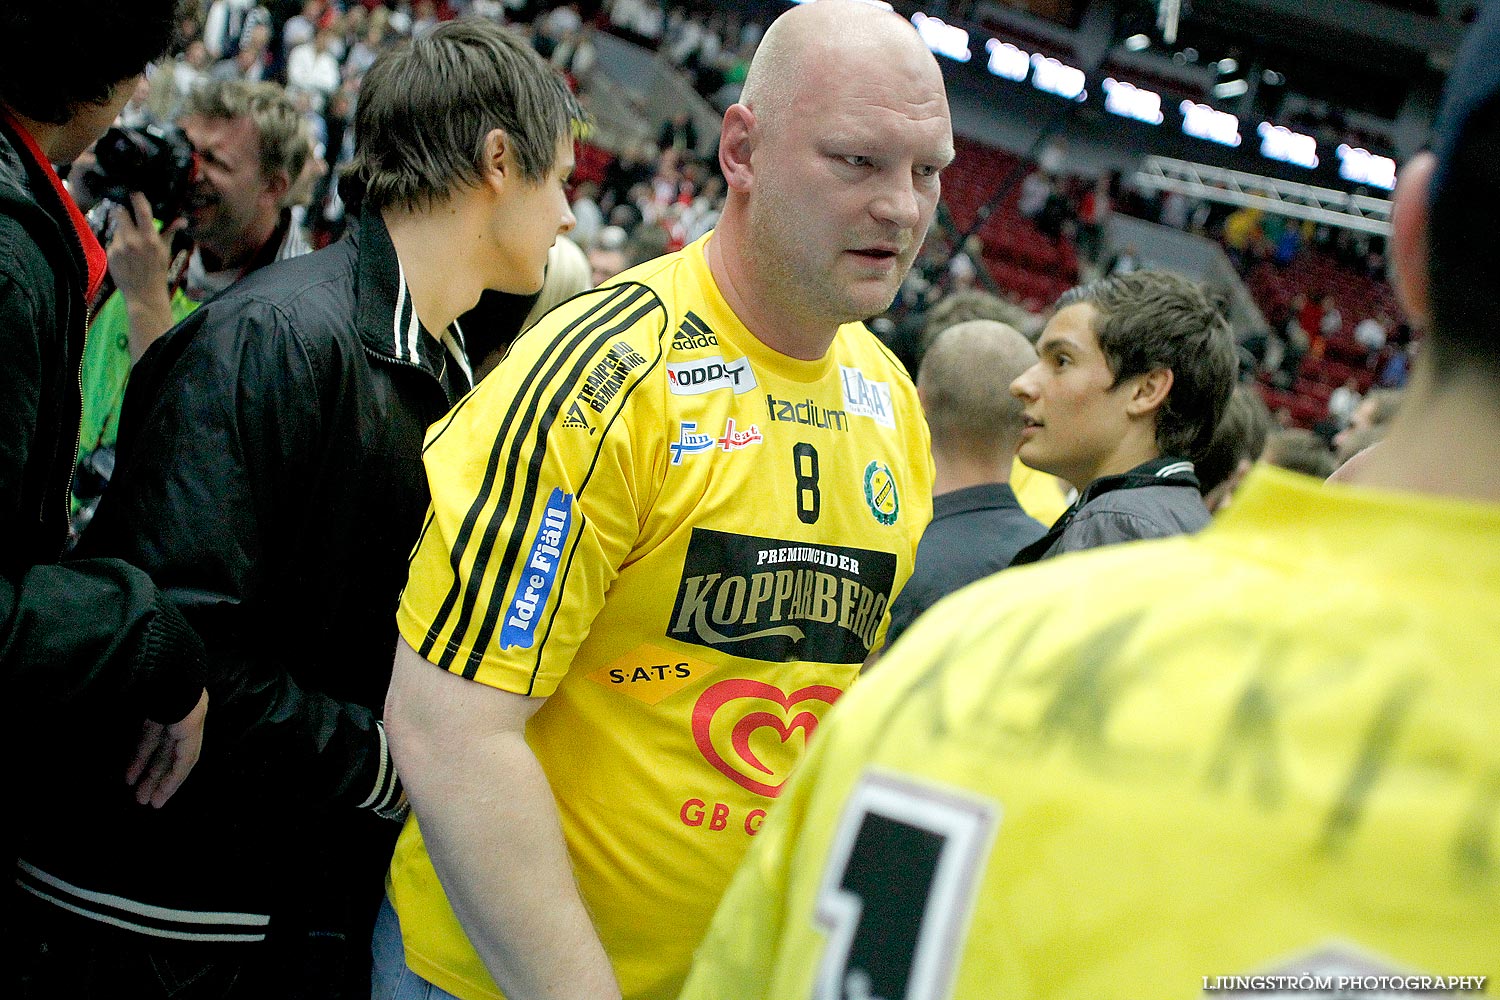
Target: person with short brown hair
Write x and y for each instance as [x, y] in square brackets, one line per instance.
[1134, 374]
[422, 105]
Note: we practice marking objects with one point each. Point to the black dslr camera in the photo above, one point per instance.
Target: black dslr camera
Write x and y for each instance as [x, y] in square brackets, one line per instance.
[158, 162]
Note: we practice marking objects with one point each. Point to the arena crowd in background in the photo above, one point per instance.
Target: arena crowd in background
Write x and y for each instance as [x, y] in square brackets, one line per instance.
[641, 197]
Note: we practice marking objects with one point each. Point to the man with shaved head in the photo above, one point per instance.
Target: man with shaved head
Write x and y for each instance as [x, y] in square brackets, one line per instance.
[977, 526]
[665, 533]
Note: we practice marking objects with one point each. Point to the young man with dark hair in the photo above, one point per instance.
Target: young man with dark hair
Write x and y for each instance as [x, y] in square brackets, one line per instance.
[85, 637]
[1134, 372]
[270, 479]
[1264, 752]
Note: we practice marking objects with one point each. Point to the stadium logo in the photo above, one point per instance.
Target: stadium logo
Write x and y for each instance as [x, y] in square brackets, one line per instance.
[866, 398]
[768, 599]
[730, 716]
[694, 378]
[605, 379]
[693, 334]
[807, 413]
[734, 440]
[689, 443]
[881, 494]
[538, 573]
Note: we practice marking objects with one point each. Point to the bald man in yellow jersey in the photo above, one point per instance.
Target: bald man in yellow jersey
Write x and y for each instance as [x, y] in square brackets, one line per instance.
[665, 533]
[1263, 760]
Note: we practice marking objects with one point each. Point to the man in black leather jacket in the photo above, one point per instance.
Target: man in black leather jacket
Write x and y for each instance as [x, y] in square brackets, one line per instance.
[270, 478]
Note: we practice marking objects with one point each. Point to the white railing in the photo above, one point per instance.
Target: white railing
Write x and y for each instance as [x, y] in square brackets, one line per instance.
[1299, 201]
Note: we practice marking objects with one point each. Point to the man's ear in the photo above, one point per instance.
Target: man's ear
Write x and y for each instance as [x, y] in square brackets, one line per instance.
[1410, 214]
[736, 143]
[1149, 392]
[497, 160]
[277, 185]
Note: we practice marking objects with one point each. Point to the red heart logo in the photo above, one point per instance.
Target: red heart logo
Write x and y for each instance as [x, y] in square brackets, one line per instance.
[725, 693]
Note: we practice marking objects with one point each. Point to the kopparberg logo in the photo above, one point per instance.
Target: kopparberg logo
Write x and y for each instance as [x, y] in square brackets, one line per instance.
[780, 600]
[881, 493]
[539, 573]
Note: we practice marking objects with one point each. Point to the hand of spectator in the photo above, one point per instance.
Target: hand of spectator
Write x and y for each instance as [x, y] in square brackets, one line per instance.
[165, 755]
[140, 259]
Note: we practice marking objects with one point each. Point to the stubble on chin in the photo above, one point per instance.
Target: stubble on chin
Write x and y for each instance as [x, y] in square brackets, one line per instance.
[807, 281]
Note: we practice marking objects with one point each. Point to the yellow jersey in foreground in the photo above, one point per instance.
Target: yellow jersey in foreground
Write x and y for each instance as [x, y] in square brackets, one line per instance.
[1265, 758]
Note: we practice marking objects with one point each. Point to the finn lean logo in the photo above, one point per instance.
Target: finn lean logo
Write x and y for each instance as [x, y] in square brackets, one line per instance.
[690, 443]
[539, 573]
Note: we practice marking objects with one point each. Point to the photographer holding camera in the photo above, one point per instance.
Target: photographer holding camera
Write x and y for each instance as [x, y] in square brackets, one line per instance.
[93, 642]
[250, 146]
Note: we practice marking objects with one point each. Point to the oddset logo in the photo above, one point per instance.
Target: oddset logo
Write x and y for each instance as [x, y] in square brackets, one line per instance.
[730, 714]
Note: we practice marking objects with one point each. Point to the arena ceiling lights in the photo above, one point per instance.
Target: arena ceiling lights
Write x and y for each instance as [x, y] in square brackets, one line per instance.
[1124, 99]
[1048, 73]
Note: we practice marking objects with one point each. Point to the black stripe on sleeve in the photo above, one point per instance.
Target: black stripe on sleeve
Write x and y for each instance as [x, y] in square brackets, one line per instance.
[562, 581]
[612, 305]
[567, 388]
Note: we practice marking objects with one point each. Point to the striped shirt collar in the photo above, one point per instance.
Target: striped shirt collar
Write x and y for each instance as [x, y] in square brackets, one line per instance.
[1168, 470]
[388, 323]
[1166, 467]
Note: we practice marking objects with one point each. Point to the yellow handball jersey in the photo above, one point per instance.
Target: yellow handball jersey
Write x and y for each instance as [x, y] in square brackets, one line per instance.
[687, 542]
[1264, 760]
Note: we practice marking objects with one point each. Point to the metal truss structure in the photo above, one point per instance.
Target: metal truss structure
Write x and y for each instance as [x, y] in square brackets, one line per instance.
[1299, 201]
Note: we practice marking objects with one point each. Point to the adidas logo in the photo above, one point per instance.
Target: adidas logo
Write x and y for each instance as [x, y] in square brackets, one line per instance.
[575, 418]
[693, 333]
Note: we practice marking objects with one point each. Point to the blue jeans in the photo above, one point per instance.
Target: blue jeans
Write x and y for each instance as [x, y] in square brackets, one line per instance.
[390, 978]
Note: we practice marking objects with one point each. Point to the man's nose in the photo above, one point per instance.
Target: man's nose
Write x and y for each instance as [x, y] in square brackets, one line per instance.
[897, 202]
[1021, 387]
